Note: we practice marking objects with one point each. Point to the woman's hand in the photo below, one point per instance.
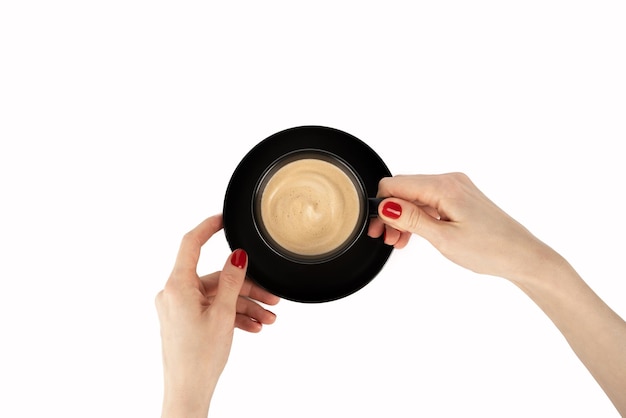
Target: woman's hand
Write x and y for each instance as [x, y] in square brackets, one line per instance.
[469, 229]
[198, 316]
[460, 221]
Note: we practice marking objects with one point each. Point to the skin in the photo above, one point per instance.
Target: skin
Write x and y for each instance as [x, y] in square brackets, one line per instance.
[198, 315]
[466, 227]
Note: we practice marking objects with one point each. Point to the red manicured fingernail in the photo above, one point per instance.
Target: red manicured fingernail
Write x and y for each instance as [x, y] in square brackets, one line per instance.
[239, 258]
[392, 210]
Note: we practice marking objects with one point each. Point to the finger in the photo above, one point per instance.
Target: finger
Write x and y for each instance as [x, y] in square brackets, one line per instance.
[398, 239]
[256, 292]
[248, 289]
[392, 235]
[376, 228]
[405, 237]
[251, 310]
[407, 217]
[192, 242]
[245, 323]
[231, 280]
[255, 311]
[415, 188]
[432, 212]
[422, 189]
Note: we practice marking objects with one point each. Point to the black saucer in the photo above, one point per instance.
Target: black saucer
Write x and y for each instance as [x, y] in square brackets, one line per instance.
[287, 279]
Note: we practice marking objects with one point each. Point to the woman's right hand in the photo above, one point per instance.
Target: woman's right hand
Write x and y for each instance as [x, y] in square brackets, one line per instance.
[460, 221]
[469, 229]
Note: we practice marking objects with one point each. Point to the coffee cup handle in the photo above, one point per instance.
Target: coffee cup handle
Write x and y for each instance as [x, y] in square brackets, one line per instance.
[372, 206]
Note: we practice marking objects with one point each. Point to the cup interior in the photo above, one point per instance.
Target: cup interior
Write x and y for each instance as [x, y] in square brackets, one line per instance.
[310, 206]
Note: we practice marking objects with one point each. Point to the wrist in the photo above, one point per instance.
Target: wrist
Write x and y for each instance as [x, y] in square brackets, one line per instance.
[546, 271]
[187, 396]
[538, 267]
[184, 402]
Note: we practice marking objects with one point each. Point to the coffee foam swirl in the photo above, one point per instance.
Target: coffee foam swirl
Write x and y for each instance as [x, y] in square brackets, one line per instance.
[310, 207]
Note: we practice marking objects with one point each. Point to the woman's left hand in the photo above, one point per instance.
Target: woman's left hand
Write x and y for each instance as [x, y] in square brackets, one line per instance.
[198, 316]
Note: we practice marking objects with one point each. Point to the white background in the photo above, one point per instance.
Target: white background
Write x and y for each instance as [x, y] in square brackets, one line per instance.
[122, 121]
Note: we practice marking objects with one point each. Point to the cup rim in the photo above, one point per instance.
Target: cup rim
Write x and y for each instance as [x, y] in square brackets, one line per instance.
[297, 155]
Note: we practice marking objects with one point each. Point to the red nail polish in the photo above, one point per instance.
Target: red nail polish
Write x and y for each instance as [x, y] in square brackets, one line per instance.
[392, 210]
[239, 258]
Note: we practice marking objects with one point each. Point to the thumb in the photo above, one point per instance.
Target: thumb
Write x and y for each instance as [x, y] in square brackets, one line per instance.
[231, 279]
[406, 216]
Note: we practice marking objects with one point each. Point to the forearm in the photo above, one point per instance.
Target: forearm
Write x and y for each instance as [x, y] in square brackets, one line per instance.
[594, 331]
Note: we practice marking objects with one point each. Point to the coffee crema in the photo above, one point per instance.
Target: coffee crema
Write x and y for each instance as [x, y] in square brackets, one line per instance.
[310, 207]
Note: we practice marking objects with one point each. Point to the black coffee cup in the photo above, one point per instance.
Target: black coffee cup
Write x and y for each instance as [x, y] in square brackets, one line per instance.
[292, 269]
[320, 206]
